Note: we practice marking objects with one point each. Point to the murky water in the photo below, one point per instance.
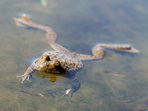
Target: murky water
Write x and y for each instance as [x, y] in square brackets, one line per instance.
[119, 82]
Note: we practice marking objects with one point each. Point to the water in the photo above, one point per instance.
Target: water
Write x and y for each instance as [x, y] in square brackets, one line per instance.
[117, 83]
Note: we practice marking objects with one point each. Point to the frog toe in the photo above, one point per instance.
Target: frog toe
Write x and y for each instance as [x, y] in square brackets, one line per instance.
[25, 77]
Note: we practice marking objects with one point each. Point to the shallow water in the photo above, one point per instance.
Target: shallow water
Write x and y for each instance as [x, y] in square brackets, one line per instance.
[119, 82]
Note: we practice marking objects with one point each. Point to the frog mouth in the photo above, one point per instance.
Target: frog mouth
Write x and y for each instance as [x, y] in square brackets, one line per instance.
[60, 69]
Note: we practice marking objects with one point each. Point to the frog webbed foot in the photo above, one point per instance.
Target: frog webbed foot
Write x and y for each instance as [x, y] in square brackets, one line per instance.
[74, 88]
[68, 91]
[25, 77]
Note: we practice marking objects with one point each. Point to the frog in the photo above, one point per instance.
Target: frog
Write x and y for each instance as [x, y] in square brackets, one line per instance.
[60, 60]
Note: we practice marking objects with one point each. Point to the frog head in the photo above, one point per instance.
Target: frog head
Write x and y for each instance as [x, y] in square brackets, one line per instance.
[46, 64]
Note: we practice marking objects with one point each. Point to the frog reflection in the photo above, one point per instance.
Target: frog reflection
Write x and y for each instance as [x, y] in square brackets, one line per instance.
[52, 78]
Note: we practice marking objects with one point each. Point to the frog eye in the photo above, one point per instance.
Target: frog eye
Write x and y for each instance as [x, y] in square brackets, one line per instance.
[57, 63]
[47, 58]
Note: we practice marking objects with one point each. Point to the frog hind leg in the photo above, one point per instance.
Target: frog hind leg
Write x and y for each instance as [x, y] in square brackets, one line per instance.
[98, 51]
[119, 47]
[26, 22]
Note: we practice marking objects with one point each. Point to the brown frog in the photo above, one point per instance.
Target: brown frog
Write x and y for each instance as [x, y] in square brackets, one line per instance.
[61, 60]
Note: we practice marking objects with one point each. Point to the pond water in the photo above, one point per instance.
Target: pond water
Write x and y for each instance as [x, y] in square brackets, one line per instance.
[119, 82]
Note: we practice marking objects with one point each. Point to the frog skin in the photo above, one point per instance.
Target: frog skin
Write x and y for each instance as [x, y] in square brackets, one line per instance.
[61, 60]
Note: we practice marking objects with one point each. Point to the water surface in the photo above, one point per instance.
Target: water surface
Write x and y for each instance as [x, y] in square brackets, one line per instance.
[117, 83]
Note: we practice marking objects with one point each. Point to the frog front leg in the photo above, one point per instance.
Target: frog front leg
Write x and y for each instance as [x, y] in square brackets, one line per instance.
[75, 87]
[27, 74]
